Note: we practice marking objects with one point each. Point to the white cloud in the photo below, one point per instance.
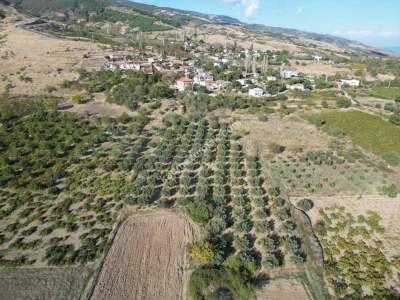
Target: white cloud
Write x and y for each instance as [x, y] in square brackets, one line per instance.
[382, 34]
[299, 11]
[251, 7]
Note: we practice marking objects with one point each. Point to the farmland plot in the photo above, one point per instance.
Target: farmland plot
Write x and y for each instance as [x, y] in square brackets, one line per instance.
[147, 259]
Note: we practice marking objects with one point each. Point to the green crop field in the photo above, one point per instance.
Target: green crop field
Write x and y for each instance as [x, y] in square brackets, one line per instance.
[386, 93]
[368, 131]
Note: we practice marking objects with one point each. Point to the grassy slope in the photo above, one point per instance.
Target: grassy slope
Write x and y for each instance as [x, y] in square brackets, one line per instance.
[368, 131]
[386, 93]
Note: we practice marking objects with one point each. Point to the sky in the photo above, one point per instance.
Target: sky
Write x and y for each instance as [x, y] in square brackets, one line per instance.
[374, 22]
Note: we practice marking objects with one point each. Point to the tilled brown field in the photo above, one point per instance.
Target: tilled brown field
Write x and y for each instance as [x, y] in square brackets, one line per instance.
[148, 259]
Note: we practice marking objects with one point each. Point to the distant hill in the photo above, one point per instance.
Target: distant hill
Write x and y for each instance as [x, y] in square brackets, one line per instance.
[153, 18]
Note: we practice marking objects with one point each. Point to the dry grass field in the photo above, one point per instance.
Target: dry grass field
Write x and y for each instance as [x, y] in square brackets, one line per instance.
[148, 259]
[291, 132]
[31, 62]
[278, 289]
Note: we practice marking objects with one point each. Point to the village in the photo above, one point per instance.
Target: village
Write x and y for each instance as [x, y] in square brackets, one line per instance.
[243, 72]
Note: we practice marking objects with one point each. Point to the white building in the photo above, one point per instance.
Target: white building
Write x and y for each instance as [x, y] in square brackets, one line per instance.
[271, 78]
[351, 82]
[203, 78]
[256, 92]
[289, 74]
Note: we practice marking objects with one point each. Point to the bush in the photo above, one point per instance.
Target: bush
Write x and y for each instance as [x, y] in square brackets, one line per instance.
[390, 191]
[124, 118]
[203, 281]
[343, 103]
[275, 148]
[201, 253]
[395, 119]
[198, 211]
[77, 99]
[305, 204]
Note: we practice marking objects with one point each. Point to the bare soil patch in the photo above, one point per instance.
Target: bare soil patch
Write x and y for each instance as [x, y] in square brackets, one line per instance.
[148, 258]
[99, 106]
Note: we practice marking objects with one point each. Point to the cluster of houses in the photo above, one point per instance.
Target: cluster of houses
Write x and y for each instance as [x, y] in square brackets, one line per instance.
[190, 75]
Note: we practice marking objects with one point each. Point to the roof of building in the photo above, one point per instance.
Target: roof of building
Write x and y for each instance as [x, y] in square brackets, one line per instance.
[184, 79]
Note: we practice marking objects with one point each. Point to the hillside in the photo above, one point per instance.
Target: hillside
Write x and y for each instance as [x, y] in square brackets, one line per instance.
[149, 18]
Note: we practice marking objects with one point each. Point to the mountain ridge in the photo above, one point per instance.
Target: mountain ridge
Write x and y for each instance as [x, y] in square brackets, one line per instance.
[180, 18]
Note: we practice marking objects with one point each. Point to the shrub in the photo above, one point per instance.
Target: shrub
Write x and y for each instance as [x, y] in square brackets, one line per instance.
[305, 204]
[201, 253]
[77, 99]
[390, 191]
[343, 103]
[198, 211]
[236, 283]
[276, 148]
[395, 119]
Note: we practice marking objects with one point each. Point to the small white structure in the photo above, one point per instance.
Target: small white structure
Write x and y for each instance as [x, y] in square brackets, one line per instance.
[256, 92]
[351, 82]
[271, 78]
[317, 58]
[289, 74]
[183, 83]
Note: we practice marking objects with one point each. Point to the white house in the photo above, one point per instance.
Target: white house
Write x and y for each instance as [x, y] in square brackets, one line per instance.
[271, 78]
[256, 92]
[352, 83]
[289, 74]
[183, 83]
[203, 78]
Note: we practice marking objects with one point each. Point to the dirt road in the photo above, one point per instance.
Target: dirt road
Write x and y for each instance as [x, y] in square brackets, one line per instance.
[148, 259]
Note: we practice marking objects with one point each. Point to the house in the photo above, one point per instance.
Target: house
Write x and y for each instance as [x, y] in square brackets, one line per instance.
[245, 82]
[125, 65]
[256, 92]
[202, 78]
[351, 82]
[296, 87]
[288, 74]
[271, 78]
[217, 85]
[183, 83]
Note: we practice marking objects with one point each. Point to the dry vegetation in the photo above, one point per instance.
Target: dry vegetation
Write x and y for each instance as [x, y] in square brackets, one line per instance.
[32, 62]
[279, 289]
[44, 283]
[291, 132]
